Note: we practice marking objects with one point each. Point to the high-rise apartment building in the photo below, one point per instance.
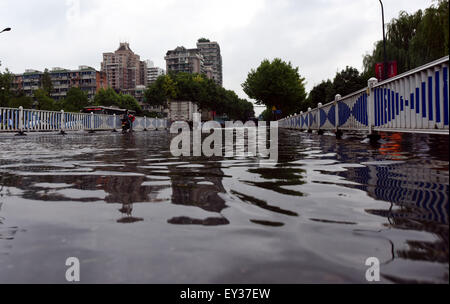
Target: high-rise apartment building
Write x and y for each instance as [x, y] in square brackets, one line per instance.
[124, 69]
[184, 60]
[212, 58]
[153, 72]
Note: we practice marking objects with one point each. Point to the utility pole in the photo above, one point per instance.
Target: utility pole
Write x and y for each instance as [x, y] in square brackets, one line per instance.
[385, 72]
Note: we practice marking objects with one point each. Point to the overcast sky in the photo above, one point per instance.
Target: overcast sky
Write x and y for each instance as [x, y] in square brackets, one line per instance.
[320, 36]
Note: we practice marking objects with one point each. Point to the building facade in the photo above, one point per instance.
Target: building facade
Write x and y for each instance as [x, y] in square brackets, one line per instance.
[153, 73]
[184, 60]
[86, 78]
[212, 58]
[124, 70]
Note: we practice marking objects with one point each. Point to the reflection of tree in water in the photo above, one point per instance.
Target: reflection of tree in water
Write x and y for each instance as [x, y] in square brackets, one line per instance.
[125, 190]
[429, 251]
[6, 233]
[121, 189]
[187, 191]
[285, 176]
[405, 218]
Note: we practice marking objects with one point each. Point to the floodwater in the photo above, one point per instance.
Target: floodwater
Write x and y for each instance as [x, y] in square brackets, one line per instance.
[133, 213]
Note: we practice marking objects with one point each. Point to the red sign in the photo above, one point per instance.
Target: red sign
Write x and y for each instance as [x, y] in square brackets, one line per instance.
[392, 69]
[379, 70]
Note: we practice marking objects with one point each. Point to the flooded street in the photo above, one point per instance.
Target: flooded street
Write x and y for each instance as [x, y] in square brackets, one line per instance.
[133, 213]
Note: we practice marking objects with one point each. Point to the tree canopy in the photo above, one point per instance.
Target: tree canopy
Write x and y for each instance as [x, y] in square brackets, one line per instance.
[6, 80]
[130, 103]
[47, 84]
[75, 100]
[321, 93]
[44, 101]
[277, 84]
[413, 40]
[348, 81]
[200, 90]
[345, 82]
[109, 98]
[25, 102]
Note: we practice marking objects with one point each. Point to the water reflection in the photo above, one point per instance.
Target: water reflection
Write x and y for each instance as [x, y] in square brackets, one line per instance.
[200, 187]
[325, 199]
[284, 176]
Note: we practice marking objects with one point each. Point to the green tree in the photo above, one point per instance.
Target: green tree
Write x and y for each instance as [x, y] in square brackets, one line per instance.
[345, 82]
[413, 40]
[130, 103]
[44, 102]
[267, 115]
[200, 90]
[75, 100]
[6, 79]
[155, 94]
[277, 84]
[107, 98]
[348, 81]
[321, 93]
[21, 101]
[47, 84]
[431, 39]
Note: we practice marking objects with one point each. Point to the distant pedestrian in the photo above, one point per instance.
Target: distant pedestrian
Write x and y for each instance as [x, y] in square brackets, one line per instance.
[131, 119]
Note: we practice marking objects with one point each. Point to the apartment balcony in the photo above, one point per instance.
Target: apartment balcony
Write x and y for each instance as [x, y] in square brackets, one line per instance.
[59, 78]
[62, 86]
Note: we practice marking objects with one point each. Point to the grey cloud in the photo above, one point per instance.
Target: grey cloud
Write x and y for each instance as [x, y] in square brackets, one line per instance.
[318, 36]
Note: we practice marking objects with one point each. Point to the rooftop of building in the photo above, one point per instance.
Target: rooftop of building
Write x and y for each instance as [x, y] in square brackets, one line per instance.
[58, 70]
[182, 49]
[124, 46]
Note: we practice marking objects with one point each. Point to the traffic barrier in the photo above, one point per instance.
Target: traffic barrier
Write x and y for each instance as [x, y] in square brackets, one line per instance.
[416, 101]
[29, 120]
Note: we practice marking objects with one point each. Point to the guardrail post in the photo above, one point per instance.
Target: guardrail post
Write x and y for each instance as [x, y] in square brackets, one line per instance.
[92, 123]
[373, 135]
[308, 115]
[114, 123]
[319, 131]
[63, 123]
[21, 132]
[145, 123]
[301, 119]
[336, 118]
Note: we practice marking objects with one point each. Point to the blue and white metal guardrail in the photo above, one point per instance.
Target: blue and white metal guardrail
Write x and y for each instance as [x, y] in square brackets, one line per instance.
[416, 101]
[27, 120]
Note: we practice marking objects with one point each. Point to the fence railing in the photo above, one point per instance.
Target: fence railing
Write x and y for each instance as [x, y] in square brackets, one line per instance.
[27, 120]
[415, 101]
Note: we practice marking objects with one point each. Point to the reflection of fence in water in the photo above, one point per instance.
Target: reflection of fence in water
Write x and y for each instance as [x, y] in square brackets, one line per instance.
[421, 190]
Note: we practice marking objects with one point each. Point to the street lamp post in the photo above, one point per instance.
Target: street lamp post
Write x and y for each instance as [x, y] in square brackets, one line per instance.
[6, 30]
[384, 45]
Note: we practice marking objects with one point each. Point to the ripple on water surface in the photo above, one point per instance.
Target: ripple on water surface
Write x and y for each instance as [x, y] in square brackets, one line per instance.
[134, 213]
